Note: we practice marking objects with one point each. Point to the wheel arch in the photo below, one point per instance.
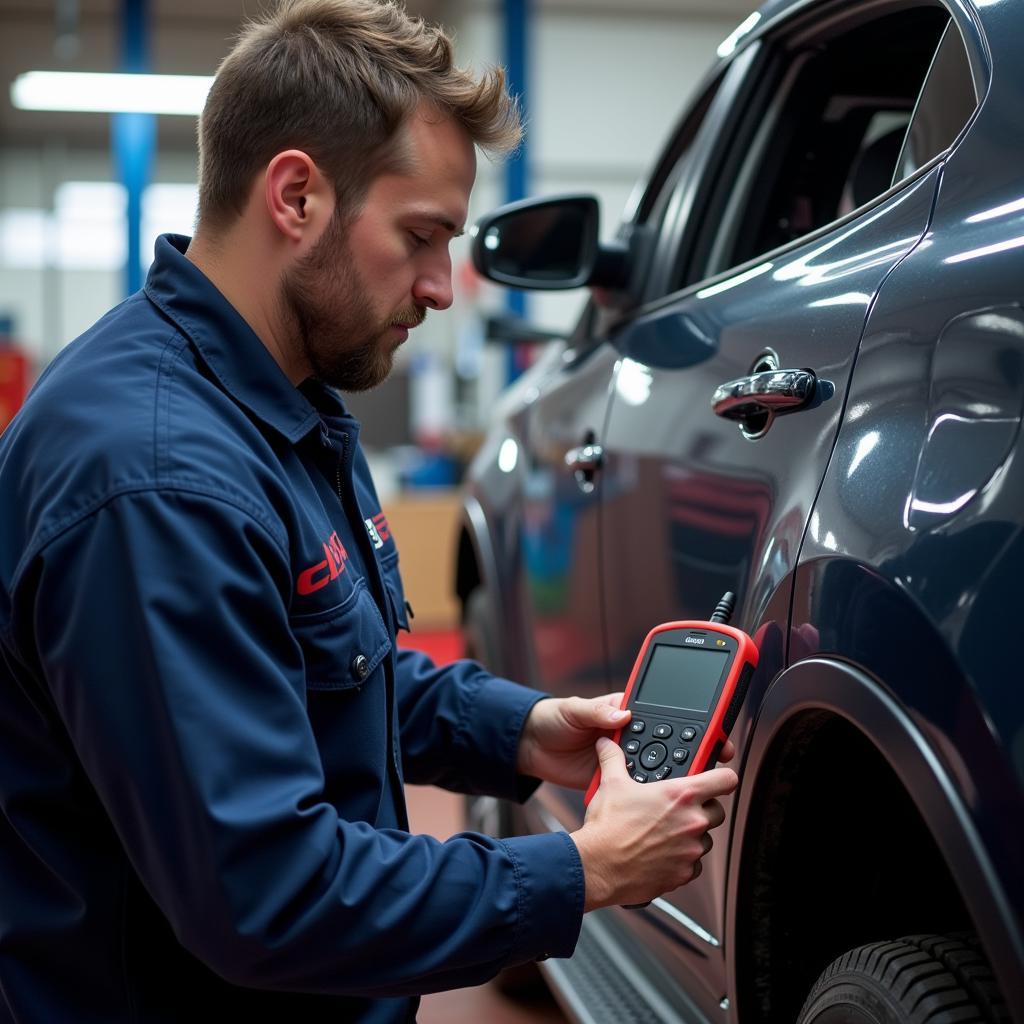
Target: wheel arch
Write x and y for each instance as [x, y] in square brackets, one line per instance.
[790, 838]
[477, 564]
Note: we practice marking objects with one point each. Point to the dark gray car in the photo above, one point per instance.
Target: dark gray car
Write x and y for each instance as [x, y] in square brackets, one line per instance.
[800, 378]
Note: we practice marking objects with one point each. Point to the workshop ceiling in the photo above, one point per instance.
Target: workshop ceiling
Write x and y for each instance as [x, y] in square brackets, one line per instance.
[190, 37]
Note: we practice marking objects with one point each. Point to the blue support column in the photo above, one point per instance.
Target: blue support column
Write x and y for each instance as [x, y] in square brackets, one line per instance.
[133, 137]
[517, 170]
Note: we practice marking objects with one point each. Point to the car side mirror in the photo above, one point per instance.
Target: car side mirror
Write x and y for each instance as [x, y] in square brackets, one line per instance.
[549, 243]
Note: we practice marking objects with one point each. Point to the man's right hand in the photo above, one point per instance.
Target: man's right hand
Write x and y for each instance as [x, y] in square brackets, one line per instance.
[639, 842]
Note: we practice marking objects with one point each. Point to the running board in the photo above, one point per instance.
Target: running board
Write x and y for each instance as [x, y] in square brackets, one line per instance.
[597, 985]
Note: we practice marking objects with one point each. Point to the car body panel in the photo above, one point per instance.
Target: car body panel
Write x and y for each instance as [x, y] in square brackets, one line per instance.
[558, 574]
[874, 538]
[691, 507]
[924, 495]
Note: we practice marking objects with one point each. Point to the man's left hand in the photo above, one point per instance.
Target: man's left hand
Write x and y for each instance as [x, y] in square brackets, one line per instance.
[557, 743]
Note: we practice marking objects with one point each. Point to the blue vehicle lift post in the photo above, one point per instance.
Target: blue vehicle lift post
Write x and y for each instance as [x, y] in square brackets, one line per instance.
[517, 170]
[133, 137]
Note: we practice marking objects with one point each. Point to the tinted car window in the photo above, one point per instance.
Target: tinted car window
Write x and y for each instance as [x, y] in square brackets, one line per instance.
[947, 101]
[823, 136]
[668, 169]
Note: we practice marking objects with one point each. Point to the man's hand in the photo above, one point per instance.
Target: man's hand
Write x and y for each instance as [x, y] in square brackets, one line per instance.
[557, 742]
[641, 841]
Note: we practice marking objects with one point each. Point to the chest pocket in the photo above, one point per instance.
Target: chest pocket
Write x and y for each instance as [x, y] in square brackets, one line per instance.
[343, 646]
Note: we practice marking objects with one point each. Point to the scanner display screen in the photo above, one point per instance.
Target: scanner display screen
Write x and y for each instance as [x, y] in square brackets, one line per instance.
[682, 677]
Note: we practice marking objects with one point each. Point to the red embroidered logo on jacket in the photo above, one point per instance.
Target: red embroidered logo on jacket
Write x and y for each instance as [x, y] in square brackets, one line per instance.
[319, 575]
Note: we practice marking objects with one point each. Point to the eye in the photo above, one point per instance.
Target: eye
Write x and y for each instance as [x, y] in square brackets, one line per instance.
[419, 240]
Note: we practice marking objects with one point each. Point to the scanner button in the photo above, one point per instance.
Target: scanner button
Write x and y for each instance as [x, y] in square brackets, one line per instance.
[663, 731]
[654, 754]
[663, 772]
[688, 734]
[639, 777]
[630, 765]
[680, 754]
[637, 725]
[632, 746]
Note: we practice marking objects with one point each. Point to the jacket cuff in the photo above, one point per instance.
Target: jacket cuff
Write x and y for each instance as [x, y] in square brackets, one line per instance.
[551, 889]
[493, 728]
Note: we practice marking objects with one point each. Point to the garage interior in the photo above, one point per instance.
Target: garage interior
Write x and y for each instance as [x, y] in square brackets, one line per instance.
[70, 247]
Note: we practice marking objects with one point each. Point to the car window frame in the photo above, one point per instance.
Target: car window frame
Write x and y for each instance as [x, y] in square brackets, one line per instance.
[933, 68]
[831, 23]
[687, 191]
[673, 245]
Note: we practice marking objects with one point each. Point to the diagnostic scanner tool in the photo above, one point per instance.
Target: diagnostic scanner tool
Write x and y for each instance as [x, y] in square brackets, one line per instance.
[685, 691]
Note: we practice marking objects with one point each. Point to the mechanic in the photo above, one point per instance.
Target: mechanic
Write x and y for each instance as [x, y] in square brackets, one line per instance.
[205, 723]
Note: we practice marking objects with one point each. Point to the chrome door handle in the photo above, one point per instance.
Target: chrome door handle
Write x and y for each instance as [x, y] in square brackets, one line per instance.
[768, 393]
[585, 459]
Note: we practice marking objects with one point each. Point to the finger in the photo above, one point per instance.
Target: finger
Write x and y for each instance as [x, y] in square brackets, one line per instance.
[708, 785]
[727, 753]
[698, 867]
[596, 713]
[707, 842]
[618, 715]
[611, 761]
[715, 812]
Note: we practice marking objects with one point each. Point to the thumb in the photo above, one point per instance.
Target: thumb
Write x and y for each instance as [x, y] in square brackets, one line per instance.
[610, 759]
[595, 713]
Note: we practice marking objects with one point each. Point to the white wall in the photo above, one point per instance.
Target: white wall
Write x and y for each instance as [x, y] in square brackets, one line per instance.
[56, 277]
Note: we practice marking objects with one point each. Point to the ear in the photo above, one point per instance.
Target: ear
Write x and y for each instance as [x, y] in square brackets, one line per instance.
[299, 199]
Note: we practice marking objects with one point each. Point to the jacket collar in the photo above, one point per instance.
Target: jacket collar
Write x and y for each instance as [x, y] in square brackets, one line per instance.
[227, 344]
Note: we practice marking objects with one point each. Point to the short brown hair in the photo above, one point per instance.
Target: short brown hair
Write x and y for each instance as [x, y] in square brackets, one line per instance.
[336, 79]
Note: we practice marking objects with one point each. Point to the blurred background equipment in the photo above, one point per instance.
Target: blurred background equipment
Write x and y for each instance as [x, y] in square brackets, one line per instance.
[14, 373]
[89, 179]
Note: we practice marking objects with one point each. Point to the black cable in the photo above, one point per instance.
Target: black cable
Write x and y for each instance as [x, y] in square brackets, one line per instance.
[723, 611]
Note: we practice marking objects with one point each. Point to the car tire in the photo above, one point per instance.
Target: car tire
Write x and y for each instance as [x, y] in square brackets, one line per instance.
[917, 979]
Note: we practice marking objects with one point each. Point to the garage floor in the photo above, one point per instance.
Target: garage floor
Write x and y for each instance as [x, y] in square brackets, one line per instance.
[439, 813]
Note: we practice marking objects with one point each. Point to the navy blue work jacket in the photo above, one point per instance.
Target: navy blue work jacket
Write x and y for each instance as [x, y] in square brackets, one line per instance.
[204, 719]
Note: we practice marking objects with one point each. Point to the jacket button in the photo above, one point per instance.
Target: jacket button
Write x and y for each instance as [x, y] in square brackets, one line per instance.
[360, 667]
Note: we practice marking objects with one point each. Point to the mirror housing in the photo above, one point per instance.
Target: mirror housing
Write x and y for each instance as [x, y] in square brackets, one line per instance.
[550, 243]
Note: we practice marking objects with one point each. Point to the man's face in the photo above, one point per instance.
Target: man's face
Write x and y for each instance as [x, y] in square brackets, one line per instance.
[371, 278]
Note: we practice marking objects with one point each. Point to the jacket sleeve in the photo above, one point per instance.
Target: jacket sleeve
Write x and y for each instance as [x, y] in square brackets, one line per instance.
[161, 625]
[461, 726]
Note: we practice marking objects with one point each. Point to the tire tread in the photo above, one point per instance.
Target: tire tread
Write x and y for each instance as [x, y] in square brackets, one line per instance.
[926, 979]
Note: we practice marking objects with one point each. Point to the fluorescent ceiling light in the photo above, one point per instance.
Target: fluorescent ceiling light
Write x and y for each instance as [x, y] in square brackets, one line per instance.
[111, 93]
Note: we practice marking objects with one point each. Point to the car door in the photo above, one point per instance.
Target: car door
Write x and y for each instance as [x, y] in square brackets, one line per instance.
[554, 593]
[556, 589]
[731, 383]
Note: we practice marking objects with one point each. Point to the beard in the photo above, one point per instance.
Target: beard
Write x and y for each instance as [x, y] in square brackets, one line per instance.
[334, 326]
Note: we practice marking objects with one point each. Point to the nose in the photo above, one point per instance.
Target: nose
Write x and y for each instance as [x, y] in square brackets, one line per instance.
[433, 287]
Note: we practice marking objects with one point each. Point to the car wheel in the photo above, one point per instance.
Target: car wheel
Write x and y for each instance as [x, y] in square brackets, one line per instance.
[478, 629]
[918, 979]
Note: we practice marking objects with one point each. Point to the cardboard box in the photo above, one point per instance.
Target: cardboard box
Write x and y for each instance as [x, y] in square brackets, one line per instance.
[425, 527]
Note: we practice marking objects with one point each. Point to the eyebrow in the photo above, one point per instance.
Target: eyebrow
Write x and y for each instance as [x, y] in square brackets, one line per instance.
[441, 220]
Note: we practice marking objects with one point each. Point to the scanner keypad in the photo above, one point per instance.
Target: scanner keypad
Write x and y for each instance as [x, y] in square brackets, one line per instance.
[672, 745]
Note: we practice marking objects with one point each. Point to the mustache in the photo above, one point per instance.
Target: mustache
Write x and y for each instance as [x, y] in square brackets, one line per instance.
[412, 317]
